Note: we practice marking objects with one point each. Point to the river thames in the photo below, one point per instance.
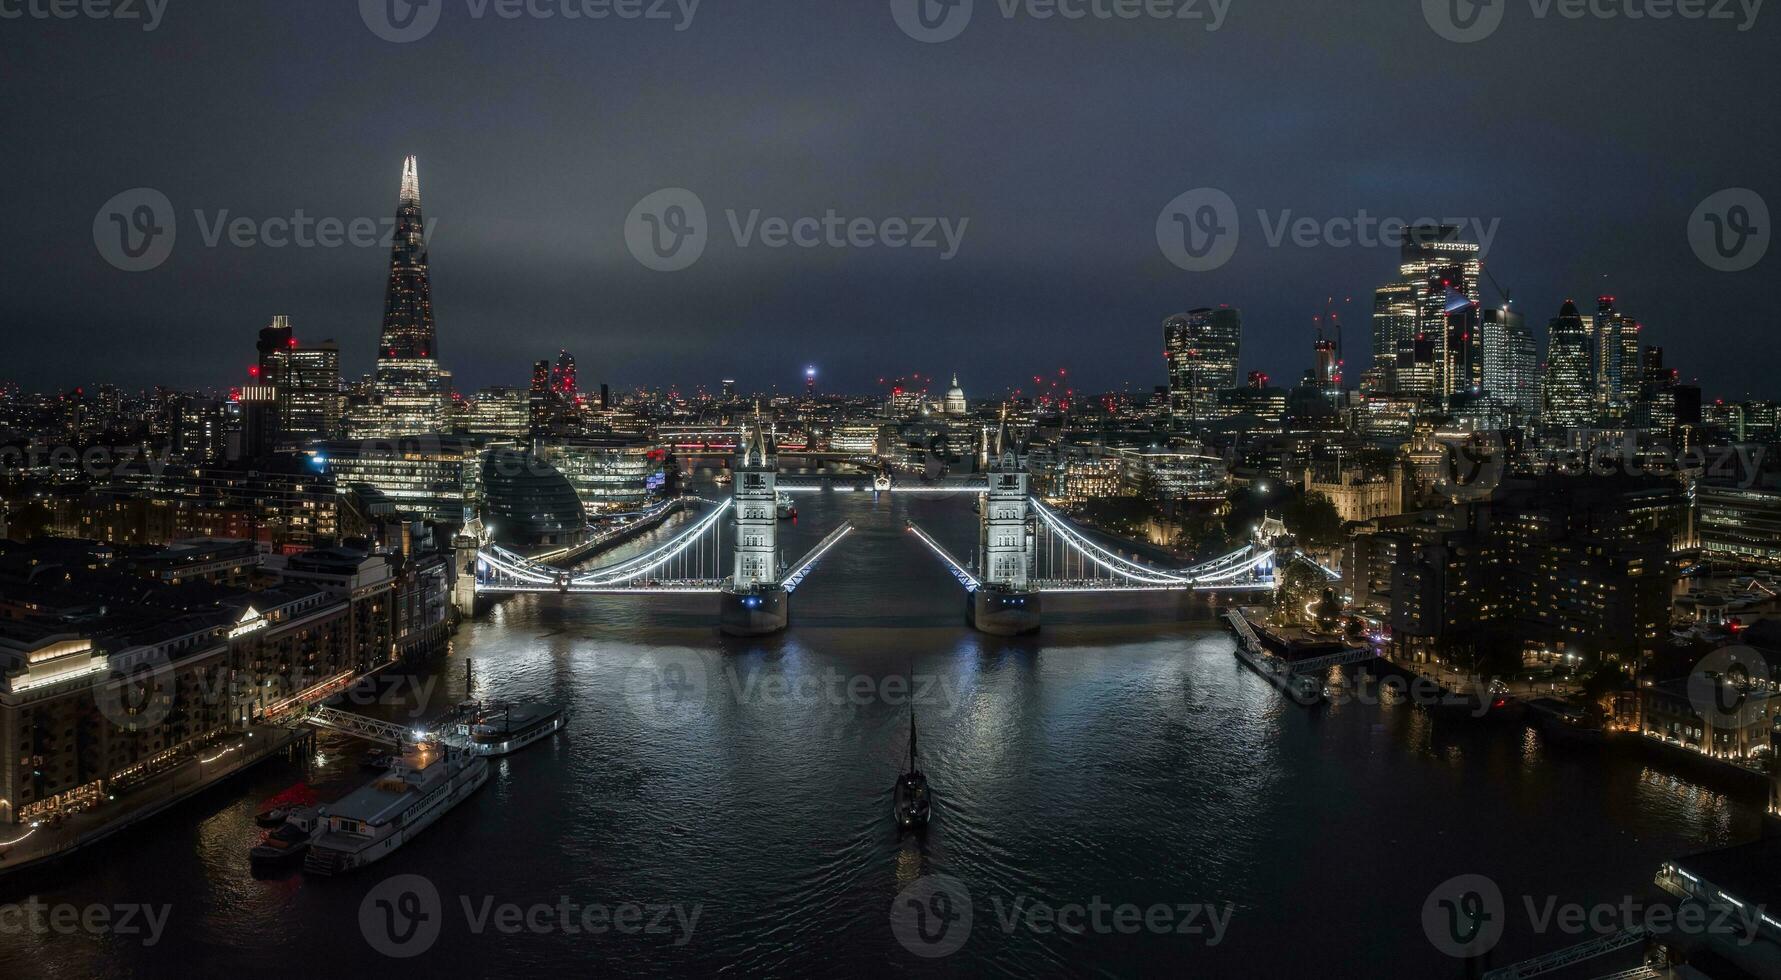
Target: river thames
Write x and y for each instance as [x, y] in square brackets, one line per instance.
[727, 803]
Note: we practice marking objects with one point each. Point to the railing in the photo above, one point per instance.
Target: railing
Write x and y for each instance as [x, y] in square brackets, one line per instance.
[1569, 956]
[969, 581]
[805, 564]
[359, 726]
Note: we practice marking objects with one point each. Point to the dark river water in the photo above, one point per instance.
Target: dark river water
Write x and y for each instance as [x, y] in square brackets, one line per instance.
[728, 803]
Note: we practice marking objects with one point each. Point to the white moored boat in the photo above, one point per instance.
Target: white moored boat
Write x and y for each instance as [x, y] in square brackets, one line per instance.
[370, 823]
[501, 729]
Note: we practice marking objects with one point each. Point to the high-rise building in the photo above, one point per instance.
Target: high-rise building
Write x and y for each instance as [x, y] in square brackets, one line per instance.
[1418, 369]
[1511, 363]
[410, 391]
[501, 412]
[1656, 408]
[1329, 368]
[1617, 359]
[1203, 348]
[1569, 395]
[306, 381]
[562, 376]
[1394, 325]
[259, 420]
[309, 397]
[1437, 265]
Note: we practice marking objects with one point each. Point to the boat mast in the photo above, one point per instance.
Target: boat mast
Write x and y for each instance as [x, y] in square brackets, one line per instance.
[912, 736]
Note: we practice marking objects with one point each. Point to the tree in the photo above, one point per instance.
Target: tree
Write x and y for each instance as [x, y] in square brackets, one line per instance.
[1300, 587]
[1312, 518]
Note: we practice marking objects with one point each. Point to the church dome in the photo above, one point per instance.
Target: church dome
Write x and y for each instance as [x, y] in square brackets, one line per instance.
[955, 398]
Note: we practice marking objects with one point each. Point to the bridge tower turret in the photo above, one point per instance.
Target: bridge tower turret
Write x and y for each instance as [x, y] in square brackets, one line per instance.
[1006, 604]
[754, 599]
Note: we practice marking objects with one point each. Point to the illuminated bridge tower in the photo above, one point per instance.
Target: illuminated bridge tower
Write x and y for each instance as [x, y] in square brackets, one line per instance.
[1006, 603]
[755, 602]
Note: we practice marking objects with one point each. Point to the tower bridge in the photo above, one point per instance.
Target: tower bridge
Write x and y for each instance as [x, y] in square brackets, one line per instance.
[1024, 551]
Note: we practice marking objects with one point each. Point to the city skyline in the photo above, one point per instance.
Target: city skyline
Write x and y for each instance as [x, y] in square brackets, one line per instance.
[935, 487]
[530, 244]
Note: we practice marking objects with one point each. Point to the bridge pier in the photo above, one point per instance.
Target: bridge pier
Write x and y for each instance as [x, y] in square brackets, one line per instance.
[759, 612]
[1003, 612]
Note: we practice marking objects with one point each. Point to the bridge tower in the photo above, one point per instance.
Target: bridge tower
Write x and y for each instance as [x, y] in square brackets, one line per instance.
[1006, 604]
[755, 602]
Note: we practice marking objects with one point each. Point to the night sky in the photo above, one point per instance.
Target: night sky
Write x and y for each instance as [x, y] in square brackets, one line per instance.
[1061, 141]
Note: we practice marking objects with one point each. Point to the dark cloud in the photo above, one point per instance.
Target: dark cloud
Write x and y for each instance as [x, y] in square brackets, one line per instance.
[1590, 141]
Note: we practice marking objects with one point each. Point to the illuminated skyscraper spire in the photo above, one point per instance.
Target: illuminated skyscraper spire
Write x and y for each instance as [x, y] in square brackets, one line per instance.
[410, 389]
[411, 182]
[408, 300]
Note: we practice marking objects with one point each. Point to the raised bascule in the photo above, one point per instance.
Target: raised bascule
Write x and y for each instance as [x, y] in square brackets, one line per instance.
[1025, 549]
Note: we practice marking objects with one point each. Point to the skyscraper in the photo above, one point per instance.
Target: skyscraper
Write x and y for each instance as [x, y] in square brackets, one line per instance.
[1394, 326]
[409, 395]
[1437, 265]
[1618, 374]
[1203, 347]
[1511, 363]
[1569, 397]
[304, 383]
[562, 376]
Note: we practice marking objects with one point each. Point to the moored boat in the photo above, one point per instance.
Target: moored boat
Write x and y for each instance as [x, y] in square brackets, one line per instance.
[289, 842]
[504, 728]
[373, 821]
